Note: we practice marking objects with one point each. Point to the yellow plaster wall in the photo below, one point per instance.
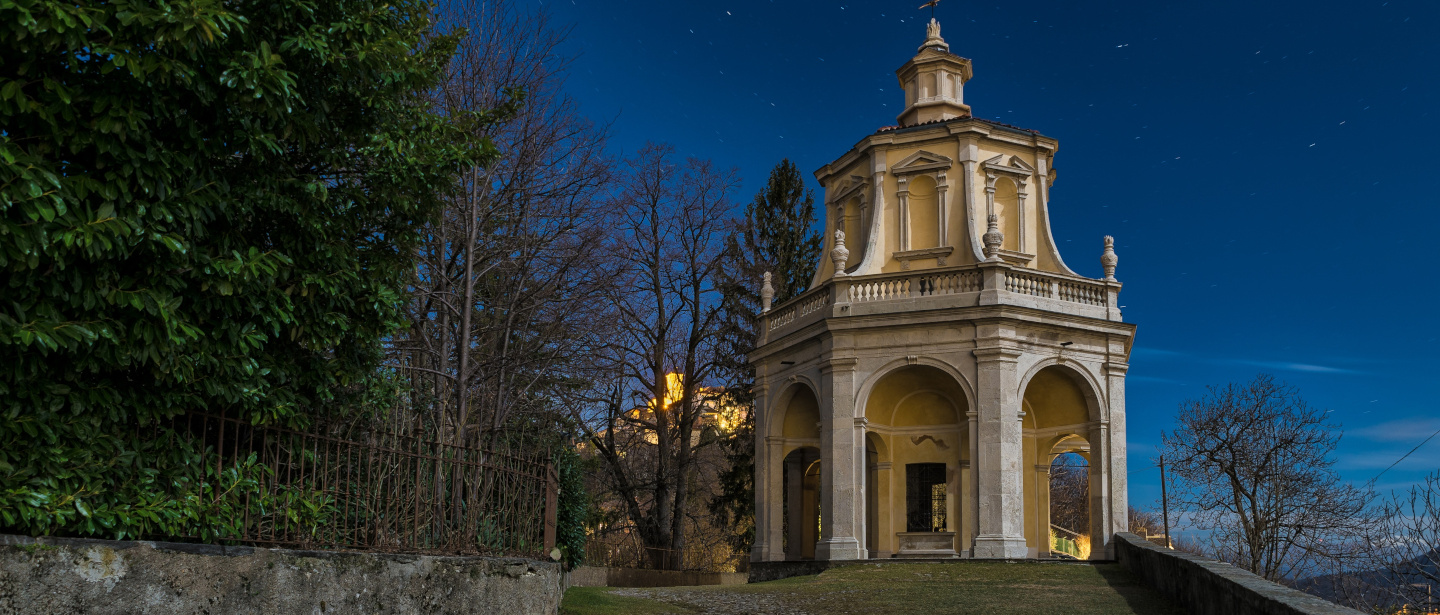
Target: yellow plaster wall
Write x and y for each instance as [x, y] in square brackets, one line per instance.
[802, 416]
[924, 214]
[1007, 209]
[1056, 398]
[917, 415]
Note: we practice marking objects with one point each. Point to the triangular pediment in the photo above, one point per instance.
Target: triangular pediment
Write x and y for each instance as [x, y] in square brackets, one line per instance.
[922, 161]
[849, 186]
[1016, 166]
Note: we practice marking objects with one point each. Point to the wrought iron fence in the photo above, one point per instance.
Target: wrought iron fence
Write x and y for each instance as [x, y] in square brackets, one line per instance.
[625, 550]
[349, 485]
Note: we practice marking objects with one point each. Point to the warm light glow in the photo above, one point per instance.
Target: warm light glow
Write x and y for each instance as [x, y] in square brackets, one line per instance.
[727, 417]
[674, 390]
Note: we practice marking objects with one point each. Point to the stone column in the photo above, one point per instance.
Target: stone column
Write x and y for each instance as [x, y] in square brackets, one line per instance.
[839, 490]
[1042, 508]
[1101, 535]
[942, 214]
[1118, 504]
[772, 504]
[1020, 195]
[903, 195]
[972, 517]
[862, 478]
[796, 511]
[1002, 499]
[884, 520]
[767, 485]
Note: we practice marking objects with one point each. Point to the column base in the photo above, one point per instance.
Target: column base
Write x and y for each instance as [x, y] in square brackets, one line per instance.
[1000, 547]
[839, 549]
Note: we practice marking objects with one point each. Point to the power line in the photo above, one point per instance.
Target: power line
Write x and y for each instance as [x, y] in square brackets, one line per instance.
[1402, 457]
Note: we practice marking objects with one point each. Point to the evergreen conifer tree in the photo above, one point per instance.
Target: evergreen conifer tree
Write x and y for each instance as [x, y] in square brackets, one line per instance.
[778, 235]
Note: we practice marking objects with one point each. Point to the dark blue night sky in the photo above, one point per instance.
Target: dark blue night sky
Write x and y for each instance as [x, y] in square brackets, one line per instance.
[1267, 169]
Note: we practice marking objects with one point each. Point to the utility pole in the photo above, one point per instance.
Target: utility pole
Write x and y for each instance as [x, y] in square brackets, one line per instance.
[1164, 504]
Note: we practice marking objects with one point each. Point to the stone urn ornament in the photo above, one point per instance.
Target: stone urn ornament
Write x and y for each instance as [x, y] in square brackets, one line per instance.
[767, 293]
[1108, 260]
[993, 238]
[840, 254]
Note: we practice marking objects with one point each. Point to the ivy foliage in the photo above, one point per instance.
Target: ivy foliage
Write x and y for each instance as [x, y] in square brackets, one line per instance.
[576, 508]
[204, 205]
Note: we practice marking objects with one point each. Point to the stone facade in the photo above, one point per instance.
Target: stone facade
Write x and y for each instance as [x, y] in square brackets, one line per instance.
[943, 337]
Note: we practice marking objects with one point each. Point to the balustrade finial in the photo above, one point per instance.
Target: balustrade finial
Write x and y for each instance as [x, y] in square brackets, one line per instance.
[840, 254]
[767, 293]
[993, 238]
[1109, 260]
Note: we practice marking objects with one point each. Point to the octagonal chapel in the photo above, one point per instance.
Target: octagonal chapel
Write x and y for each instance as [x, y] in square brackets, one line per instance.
[910, 404]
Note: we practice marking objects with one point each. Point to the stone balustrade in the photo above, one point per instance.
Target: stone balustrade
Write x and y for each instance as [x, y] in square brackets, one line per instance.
[974, 285]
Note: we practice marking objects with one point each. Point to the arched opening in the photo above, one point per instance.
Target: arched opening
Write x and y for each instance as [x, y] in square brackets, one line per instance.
[852, 224]
[1007, 208]
[801, 503]
[800, 475]
[924, 215]
[1070, 499]
[930, 91]
[915, 445]
[1059, 414]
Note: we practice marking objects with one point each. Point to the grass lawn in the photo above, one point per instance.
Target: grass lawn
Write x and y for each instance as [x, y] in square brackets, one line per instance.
[922, 589]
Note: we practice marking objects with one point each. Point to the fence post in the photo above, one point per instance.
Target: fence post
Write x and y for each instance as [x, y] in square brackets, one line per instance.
[551, 506]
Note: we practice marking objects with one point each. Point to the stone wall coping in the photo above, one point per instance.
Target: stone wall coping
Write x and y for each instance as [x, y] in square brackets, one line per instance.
[192, 548]
[1214, 586]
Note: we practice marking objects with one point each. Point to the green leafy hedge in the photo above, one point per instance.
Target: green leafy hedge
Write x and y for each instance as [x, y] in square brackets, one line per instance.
[203, 205]
[574, 506]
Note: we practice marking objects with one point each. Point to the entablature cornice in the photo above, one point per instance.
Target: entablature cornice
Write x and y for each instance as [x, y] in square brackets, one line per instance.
[998, 354]
[922, 162]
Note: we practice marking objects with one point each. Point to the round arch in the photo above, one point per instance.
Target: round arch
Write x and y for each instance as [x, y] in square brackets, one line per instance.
[1090, 388]
[775, 421]
[862, 395]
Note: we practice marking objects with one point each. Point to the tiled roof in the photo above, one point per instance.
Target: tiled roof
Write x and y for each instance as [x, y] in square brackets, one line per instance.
[991, 122]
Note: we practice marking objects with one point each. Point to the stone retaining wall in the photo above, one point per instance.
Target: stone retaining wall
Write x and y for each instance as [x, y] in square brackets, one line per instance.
[1207, 587]
[63, 576]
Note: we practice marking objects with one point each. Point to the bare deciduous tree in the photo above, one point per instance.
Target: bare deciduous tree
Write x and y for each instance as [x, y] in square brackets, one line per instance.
[645, 425]
[1253, 465]
[1070, 493]
[1145, 522]
[503, 297]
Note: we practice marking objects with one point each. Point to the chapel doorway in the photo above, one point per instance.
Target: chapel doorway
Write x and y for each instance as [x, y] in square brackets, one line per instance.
[801, 503]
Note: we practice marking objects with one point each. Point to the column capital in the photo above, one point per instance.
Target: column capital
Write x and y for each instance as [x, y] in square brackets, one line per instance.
[997, 354]
[1114, 368]
[883, 465]
[1042, 467]
[842, 364]
[862, 422]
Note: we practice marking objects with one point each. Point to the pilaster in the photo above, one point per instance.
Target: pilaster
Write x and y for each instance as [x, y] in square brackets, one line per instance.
[1002, 499]
[884, 520]
[767, 538]
[1119, 487]
[1042, 508]
[839, 487]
